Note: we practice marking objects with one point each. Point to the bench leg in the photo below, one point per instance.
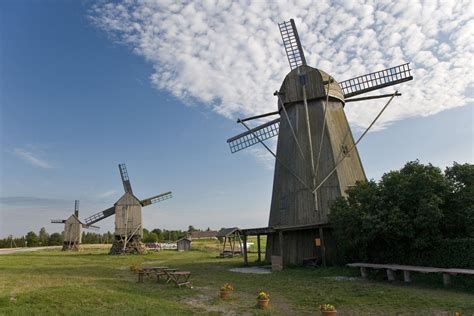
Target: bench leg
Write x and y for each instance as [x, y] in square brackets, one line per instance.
[140, 277]
[446, 279]
[363, 272]
[406, 276]
[390, 275]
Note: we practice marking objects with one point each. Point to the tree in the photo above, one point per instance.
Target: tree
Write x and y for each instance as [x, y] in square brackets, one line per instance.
[31, 239]
[43, 237]
[191, 229]
[398, 218]
[459, 206]
[55, 239]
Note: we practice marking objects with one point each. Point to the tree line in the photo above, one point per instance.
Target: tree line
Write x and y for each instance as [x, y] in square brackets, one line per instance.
[43, 238]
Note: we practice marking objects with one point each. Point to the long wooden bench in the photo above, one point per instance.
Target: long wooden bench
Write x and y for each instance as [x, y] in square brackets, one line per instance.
[391, 268]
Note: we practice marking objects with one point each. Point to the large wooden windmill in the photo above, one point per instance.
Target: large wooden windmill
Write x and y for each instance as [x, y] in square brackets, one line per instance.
[316, 157]
[128, 217]
[72, 229]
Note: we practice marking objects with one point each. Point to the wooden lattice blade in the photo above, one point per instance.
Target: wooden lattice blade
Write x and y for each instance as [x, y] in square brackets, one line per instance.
[156, 198]
[125, 179]
[247, 139]
[100, 216]
[376, 80]
[291, 41]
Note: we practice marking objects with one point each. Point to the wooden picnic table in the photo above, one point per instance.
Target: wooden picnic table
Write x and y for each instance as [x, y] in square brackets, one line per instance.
[180, 278]
[148, 270]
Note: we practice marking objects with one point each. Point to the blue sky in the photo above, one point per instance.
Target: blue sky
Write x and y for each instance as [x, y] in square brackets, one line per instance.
[80, 93]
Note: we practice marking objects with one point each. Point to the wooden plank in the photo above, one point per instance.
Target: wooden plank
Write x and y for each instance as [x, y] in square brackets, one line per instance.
[406, 276]
[446, 279]
[246, 262]
[258, 248]
[390, 275]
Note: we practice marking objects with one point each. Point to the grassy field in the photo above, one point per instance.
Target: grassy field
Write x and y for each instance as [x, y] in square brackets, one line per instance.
[94, 283]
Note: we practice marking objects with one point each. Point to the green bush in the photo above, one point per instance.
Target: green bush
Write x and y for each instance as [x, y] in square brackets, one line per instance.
[409, 216]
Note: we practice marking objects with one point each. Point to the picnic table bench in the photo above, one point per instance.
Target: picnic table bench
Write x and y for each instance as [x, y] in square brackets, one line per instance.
[391, 268]
[180, 278]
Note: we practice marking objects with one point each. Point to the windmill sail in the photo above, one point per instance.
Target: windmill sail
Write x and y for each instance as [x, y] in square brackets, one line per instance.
[291, 40]
[156, 198]
[376, 80]
[247, 139]
[100, 216]
[58, 221]
[125, 180]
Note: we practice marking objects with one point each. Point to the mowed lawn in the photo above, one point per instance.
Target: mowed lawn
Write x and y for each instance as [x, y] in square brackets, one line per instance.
[93, 283]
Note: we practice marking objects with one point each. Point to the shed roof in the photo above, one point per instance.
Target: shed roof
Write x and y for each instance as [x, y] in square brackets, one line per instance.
[224, 232]
[184, 238]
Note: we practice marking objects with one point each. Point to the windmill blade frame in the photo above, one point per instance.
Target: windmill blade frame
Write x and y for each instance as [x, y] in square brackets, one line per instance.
[376, 80]
[292, 43]
[58, 221]
[93, 227]
[247, 139]
[125, 179]
[100, 216]
[156, 198]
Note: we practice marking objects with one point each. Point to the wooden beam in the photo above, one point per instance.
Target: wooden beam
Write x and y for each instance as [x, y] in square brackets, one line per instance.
[323, 247]
[258, 248]
[246, 261]
[280, 242]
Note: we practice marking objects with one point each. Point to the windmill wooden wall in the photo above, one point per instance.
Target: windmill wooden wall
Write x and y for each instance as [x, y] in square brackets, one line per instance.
[128, 216]
[293, 204]
[72, 230]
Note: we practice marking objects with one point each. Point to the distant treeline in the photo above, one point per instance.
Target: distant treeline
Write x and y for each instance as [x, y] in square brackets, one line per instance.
[43, 238]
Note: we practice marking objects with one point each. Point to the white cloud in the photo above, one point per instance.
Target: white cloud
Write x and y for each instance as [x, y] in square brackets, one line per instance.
[229, 56]
[106, 193]
[32, 158]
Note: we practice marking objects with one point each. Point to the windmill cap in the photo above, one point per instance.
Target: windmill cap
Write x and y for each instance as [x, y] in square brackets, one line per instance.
[316, 82]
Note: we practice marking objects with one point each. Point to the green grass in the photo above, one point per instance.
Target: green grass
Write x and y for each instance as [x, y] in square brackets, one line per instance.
[94, 283]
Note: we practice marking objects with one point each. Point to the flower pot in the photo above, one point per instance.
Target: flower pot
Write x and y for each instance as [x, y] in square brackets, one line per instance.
[328, 313]
[224, 294]
[263, 303]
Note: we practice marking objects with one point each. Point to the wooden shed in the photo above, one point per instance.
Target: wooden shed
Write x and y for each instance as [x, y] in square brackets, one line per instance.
[183, 244]
[232, 243]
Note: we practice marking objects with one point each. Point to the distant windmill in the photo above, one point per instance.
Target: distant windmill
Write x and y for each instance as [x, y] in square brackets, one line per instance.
[72, 229]
[128, 217]
[316, 157]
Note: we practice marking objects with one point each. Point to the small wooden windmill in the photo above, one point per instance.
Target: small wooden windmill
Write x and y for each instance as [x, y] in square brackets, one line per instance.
[316, 157]
[128, 217]
[72, 229]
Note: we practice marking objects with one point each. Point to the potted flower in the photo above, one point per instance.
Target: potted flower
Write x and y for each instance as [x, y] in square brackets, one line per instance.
[327, 310]
[226, 289]
[262, 299]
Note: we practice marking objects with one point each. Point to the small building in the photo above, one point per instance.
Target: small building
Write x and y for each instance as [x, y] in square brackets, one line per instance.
[183, 244]
[232, 242]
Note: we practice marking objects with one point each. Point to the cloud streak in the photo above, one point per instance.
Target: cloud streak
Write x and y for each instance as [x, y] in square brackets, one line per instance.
[229, 56]
[32, 159]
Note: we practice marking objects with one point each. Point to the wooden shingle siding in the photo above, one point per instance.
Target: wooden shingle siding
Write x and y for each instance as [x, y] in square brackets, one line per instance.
[128, 216]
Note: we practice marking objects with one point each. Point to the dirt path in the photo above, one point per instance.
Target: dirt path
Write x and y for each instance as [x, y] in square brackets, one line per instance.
[6, 251]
